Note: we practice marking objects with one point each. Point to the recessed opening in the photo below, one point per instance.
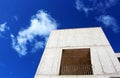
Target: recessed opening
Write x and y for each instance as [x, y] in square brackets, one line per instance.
[119, 59]
[76, 62]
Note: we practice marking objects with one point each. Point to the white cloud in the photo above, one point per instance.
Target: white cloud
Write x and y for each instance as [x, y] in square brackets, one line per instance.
[81, 7]
[19, 47]
[37, 46]
[110, 3]
[41, 25]
[109, 22]
[3, 29]
[94, 5]
[99, 8]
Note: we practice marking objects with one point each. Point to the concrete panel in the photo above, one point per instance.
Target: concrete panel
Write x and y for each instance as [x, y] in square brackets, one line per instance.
[49, 62]
[77, 37]
[41, 76]
[96, 65]
[104, 36]
[100, 38]
[63, 37]
[114, 59]
[53, 39]
[105, 61]
[56, 62]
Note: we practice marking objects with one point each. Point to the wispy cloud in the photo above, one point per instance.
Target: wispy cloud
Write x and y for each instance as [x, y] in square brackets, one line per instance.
[41, 25]
[94, 5]
[3, 28]
[109, 21]
[99, 7]
[110, 3]
[81, 7]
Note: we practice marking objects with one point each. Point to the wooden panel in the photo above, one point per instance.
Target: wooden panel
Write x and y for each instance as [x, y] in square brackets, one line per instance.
[76, 62]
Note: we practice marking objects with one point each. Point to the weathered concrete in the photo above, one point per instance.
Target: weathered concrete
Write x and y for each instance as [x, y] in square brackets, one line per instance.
[103, 58]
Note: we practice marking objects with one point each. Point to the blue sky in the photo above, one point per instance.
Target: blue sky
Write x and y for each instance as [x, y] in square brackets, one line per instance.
[25, 26]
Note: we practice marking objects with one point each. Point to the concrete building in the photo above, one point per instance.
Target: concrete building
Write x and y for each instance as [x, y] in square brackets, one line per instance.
[78, 53]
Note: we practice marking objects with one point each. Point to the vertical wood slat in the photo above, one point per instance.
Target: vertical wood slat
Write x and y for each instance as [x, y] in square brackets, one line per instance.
[76, 70]
[76, 62]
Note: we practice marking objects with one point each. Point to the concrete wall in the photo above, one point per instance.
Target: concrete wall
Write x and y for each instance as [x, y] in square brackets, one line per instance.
[103, 58]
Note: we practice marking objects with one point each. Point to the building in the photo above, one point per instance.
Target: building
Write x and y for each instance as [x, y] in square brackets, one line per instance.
[78, 53]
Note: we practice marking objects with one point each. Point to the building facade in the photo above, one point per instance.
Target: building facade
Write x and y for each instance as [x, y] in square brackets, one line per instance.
[78, 53]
